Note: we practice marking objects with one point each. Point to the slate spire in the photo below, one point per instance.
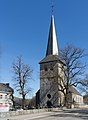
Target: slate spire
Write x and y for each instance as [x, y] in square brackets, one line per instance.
[52, 47]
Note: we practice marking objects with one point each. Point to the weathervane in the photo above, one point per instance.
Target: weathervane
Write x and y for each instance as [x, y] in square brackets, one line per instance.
[52, 7]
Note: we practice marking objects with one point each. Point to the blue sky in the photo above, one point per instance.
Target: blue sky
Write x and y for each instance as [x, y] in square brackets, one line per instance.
[24, 28]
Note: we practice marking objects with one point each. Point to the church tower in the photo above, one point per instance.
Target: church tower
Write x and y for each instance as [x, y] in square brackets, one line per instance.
[50, 71]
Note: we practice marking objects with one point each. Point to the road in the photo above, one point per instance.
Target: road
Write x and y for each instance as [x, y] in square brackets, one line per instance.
[71, 114]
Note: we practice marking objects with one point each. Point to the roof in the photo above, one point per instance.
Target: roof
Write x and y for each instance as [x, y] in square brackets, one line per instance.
[85, 96]
[5, 87]
[73, 90]
[51, 58]
[52, 47]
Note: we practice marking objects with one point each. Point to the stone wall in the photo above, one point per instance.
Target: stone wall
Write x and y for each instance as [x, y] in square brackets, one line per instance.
[21, 112]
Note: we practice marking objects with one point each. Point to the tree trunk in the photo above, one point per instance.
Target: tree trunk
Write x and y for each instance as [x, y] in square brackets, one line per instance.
[23, 102]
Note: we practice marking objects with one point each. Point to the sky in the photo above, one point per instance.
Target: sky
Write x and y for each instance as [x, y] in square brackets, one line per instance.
[24, 29]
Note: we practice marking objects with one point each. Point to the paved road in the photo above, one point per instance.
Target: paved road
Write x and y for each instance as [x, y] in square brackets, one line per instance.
[76, 114]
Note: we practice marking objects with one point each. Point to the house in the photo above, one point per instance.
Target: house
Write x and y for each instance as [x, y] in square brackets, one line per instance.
[85, 99]
[75, 99]
[6, 97]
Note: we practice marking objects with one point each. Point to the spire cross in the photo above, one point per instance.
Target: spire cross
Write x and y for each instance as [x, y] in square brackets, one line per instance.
[52, 6]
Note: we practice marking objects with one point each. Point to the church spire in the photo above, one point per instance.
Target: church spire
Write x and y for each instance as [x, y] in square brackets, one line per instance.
[52, 47]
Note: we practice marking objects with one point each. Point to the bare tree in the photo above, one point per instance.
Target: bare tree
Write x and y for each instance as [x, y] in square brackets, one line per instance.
[22, 74]
[84, 86]
[73, 69]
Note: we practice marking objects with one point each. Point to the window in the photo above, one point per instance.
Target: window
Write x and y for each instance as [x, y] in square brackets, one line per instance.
[5, 96]
[51, 68]
[49, 96]
[0, 96]
[10, 104]
[45, 68]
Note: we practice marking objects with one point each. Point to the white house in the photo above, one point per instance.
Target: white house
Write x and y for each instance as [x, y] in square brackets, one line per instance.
[6, 97]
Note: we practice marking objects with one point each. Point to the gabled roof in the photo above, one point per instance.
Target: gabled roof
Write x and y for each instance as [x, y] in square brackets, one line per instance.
[73, 90]
[5, 88]
[52, 47]
[85, 96]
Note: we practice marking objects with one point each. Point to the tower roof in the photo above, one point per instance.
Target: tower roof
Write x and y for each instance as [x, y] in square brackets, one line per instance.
[52, 47]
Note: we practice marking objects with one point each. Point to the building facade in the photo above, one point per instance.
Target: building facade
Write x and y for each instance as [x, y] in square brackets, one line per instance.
[75, 99]
[6, 97]
[85, 99]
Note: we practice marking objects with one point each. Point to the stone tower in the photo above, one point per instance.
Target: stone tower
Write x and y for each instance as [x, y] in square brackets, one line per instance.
[50, 71]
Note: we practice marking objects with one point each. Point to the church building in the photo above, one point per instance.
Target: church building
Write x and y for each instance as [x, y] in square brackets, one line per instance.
[50, 73]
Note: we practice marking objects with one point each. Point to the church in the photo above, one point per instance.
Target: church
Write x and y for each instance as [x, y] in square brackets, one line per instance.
[50, 69]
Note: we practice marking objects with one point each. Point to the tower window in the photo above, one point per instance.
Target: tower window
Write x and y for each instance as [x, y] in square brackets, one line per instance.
[46, 69]
[51, 68]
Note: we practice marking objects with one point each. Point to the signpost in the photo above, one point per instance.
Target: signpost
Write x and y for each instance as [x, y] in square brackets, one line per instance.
[4, 107]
